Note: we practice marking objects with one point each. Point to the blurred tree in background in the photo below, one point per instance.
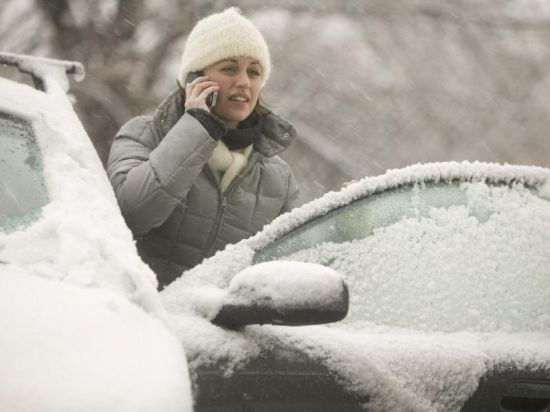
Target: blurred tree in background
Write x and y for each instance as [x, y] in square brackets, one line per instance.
[370, 84]
[123, 45]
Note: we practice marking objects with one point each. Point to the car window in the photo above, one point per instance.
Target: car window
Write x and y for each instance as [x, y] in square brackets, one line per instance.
[21, 174]
[437, 256]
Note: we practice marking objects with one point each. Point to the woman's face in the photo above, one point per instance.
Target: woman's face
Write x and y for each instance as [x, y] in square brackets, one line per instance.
[240, 80]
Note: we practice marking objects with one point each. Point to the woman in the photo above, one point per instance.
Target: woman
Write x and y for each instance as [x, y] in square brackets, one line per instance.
[193, 178]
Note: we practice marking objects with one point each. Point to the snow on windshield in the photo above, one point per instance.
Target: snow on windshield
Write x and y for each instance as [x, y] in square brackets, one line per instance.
[449, 271]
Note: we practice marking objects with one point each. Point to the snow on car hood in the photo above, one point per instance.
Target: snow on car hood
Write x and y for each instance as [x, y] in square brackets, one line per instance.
[400, 368]
[68, 348]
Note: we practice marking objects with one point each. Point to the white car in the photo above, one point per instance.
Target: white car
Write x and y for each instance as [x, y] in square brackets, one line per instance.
[82, 325]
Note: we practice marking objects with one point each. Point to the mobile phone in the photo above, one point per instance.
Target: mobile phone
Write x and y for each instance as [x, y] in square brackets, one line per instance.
[212, 98]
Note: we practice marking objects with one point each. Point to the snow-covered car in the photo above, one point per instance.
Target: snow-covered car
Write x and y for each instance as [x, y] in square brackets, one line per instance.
[448, 269]
[82, 325]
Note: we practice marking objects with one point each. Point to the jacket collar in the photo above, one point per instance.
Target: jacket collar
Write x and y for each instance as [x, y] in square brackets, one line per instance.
[276, 136]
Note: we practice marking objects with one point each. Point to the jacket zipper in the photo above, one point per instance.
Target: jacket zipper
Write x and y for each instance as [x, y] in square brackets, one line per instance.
[223, 199]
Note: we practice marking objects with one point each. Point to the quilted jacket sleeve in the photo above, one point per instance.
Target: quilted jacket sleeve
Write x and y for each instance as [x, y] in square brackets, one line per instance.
[150, 174]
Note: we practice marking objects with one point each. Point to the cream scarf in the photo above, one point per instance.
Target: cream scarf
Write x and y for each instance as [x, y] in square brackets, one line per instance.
[229, 162]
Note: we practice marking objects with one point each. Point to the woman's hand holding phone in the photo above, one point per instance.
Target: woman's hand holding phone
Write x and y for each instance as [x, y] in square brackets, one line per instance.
[198, 90]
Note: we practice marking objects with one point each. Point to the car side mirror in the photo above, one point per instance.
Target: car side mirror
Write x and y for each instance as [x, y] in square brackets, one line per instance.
[284, 293]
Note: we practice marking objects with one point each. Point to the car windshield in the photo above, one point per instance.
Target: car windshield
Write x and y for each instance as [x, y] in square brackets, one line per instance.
[21, 179]
[438, 256]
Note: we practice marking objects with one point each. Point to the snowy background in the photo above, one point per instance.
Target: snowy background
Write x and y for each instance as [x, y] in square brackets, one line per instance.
[371, 85]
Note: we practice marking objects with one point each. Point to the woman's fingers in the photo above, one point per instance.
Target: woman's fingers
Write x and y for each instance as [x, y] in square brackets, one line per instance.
[197, 85]
[197, 91]
[198, 80]
[206, 92]
[199, 88]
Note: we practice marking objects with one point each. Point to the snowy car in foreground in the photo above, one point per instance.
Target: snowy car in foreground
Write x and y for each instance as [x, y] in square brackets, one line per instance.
[448, 268]
[82, 325]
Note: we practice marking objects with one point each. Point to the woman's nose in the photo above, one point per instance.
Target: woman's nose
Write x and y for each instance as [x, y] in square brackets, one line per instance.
[243, 80]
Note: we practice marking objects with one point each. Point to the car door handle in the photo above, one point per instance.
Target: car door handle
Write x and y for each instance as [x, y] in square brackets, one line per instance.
[526, 396]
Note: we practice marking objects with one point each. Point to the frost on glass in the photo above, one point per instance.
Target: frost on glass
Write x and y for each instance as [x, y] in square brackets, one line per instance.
[21, 180]
[440, 257]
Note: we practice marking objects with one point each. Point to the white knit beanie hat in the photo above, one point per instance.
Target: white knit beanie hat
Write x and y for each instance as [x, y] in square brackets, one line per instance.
[221, 36]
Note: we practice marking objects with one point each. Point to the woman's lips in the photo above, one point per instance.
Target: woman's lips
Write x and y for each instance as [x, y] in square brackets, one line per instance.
[239, 102]
[241, 98]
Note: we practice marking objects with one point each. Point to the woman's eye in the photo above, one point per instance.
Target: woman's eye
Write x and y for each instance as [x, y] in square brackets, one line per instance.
[229, 69]
[254, 72]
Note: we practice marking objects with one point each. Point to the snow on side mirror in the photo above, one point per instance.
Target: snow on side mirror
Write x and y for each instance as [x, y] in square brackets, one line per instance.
[284, 293]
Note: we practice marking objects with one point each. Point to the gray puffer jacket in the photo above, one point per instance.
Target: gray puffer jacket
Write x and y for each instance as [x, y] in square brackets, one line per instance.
[171, 198]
